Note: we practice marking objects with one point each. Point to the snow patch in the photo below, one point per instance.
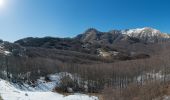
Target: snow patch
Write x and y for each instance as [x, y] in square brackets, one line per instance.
[9, 92]
[145, 32]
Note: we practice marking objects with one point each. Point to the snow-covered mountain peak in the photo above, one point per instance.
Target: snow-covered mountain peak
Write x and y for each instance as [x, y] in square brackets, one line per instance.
[146, 33]
[149, 29]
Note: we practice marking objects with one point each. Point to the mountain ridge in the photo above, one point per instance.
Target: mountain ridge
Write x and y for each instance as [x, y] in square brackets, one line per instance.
[115, 44]
[145, 34]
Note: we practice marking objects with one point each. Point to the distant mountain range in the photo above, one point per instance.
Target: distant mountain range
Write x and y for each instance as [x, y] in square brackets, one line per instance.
[113, 45]
[147, 35]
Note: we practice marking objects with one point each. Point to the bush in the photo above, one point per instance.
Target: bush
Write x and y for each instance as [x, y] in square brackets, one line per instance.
[70, 85]
[67, 84]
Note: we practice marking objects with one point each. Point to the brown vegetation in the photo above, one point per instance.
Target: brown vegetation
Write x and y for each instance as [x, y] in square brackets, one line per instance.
[121, 80]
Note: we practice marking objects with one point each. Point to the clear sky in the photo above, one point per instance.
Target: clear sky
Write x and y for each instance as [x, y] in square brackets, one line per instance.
[67, 18]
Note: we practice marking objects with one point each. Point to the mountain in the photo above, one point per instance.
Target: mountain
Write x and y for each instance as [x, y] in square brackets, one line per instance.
[147, 34]
[94, 56]
[7, 49]
[94, 36]
[113, 45]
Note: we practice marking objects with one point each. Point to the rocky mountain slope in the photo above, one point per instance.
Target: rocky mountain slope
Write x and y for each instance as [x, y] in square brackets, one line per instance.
[147, 34]
[116, 44]
[90, 47]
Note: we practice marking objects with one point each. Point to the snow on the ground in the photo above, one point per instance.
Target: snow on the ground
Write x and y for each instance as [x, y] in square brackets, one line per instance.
[153, 76]
[3, 51]
[9, 92]
[42, 85]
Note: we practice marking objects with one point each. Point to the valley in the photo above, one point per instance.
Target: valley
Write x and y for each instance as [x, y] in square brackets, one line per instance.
[117, 65]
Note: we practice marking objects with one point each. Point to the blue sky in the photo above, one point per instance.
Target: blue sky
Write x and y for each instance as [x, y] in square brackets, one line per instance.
[67, 18]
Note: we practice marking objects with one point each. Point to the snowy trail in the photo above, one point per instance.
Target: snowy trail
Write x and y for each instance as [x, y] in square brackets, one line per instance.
[9, 92]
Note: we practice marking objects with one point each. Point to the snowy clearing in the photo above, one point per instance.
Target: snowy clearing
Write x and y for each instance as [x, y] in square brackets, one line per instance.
[9, 92]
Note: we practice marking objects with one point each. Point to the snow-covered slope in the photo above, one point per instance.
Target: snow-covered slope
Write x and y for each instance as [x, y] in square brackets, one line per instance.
[9, 92]
[147, 34]
[3, 50]
[42, 85]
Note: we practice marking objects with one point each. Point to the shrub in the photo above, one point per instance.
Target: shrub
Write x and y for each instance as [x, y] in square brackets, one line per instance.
[67, 84]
